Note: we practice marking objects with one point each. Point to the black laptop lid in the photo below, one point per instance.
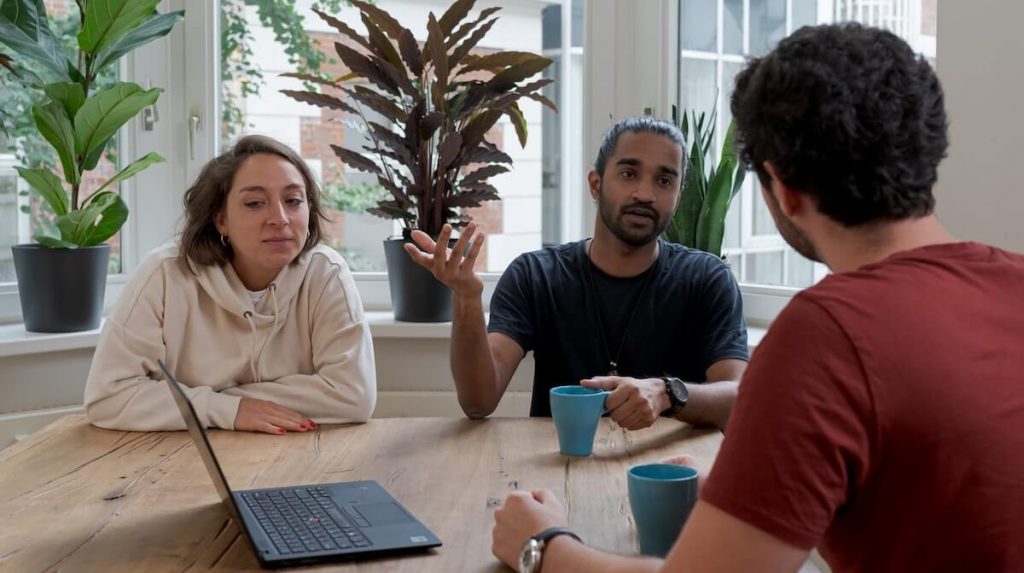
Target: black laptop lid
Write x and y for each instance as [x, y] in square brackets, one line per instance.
[195, 429]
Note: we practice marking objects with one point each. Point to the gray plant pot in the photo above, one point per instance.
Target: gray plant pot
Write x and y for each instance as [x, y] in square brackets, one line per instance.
[61, 290]
[416, 296]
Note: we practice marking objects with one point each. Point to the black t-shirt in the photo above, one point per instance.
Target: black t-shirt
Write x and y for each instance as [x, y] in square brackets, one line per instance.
[678, 321]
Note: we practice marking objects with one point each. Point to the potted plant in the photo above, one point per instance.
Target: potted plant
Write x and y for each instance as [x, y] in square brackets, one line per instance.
[61, 280]
[708, 189]
[439, 100]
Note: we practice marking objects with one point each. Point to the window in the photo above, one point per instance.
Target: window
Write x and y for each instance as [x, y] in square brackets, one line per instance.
[715, 38]
[23, 213]
[259, 43]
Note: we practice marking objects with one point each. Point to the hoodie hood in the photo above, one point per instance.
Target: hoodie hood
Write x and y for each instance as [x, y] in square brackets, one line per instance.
[227, 290]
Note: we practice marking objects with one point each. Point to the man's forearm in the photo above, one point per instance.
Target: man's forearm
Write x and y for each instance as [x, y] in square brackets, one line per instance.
[566, 555]
[471, 360]
[709, 403]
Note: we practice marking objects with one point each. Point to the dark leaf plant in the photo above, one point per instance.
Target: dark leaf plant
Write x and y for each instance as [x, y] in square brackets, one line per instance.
[439, 100]
[708, 189]
[76, 118]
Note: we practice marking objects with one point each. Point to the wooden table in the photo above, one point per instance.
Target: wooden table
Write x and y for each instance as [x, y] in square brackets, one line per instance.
[78, 498]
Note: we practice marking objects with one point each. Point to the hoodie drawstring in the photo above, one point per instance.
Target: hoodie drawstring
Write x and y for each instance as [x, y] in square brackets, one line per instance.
[254, 355]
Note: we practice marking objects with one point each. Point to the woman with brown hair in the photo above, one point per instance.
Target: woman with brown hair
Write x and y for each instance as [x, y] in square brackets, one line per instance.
[261, 324]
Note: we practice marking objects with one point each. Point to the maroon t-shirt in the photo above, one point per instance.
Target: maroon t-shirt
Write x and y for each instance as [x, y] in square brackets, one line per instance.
[882, 417]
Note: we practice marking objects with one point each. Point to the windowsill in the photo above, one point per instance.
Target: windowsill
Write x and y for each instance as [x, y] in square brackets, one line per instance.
[16, 341]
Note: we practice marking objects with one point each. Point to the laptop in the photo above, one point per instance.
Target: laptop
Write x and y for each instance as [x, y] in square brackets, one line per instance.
[299, 525]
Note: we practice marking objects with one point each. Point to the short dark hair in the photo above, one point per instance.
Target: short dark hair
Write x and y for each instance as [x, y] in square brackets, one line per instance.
[848, 115]
[200, 240]
[641, 124]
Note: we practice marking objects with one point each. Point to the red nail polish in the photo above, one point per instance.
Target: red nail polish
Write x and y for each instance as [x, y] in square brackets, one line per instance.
[280, 431]
[312, 424]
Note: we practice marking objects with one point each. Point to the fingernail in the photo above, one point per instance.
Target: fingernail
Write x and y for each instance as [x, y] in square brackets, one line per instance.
[280, 431]
[312, 424]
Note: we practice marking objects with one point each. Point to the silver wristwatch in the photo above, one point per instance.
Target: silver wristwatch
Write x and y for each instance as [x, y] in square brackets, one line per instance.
[533, 549]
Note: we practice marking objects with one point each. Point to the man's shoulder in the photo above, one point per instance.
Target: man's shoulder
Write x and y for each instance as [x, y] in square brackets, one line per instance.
[549, 259]
[691, 264]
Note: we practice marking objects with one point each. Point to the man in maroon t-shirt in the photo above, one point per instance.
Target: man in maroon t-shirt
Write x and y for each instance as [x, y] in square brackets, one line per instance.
[882, 417]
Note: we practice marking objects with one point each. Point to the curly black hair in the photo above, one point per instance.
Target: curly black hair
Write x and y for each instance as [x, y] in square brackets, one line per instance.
[849, 115]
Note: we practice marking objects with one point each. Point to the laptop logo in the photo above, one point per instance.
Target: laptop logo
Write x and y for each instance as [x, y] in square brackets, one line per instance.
[418, 539]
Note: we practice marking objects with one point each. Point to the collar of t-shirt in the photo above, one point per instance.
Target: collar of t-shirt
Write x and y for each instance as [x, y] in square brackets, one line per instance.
[255, 296]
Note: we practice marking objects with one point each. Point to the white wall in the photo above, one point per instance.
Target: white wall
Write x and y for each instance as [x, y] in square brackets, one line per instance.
[981, 65]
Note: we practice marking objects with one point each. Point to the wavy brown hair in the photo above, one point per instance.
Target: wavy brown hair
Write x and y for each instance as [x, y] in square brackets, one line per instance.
[200, 241]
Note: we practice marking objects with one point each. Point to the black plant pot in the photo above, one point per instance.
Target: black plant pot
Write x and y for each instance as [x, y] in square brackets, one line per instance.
[416, 296]
[61, 290]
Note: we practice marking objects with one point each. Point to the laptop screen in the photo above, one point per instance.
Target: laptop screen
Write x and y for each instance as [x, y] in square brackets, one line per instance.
[195, 429]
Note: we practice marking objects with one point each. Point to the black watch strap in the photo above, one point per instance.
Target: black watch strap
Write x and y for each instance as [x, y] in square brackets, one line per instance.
[552, 532]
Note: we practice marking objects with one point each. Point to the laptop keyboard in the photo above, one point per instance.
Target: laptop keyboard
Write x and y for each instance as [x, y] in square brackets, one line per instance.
[305, 520]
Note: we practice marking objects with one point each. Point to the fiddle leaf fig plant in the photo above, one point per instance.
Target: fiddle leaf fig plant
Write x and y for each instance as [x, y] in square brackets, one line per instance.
[438, 101]
[75, 117]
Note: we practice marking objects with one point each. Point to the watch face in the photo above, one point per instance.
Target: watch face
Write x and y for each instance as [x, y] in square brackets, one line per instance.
[530, 557]
[679, 392]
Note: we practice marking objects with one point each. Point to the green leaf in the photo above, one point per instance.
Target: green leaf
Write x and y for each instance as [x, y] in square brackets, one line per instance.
[24, 29]
[156, 26]
[518, 122]
[498, 61]
[382, 19]
[47, 240]
[48, 186]
[711, 227]
[53, 124]
[137, 166]
[107, 21]
[455, 14]
[100, 219]
[515, 73]
[439, 57]
[68, 94]
[319, 100]
[104, 113]
[382, 46]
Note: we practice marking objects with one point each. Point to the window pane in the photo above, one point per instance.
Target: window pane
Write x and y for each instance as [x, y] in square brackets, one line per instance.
[699, 25]
[732, 24]
[260, 46]
[9, 223]
[746, 240]
[767, 24]
[729, 71]
[805, 13]
[698, 86]
[763, 222]
[22, 212]
[764, 268]
[799, 271]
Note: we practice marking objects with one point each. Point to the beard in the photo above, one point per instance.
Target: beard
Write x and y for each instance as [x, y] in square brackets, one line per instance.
[796, 238]
[626, 232]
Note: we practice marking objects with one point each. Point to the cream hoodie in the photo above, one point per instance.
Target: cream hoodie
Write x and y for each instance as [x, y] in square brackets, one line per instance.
[305, 345]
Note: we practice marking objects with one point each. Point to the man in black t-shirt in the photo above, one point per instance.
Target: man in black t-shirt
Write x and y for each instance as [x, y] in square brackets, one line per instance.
[623, 311]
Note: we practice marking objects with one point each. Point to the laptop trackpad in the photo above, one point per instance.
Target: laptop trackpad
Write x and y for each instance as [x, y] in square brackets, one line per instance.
[389, 513]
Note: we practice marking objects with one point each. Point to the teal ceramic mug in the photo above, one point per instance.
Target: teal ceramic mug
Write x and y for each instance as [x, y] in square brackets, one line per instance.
[662, 497]
[576, 410]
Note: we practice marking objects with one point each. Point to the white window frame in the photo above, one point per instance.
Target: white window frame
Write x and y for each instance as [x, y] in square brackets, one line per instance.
[621, 51]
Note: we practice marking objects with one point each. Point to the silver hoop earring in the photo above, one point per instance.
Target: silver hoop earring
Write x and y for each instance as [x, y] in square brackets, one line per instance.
[224, 240]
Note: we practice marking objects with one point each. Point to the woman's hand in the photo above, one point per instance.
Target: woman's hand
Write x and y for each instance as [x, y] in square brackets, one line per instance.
[264, 416]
